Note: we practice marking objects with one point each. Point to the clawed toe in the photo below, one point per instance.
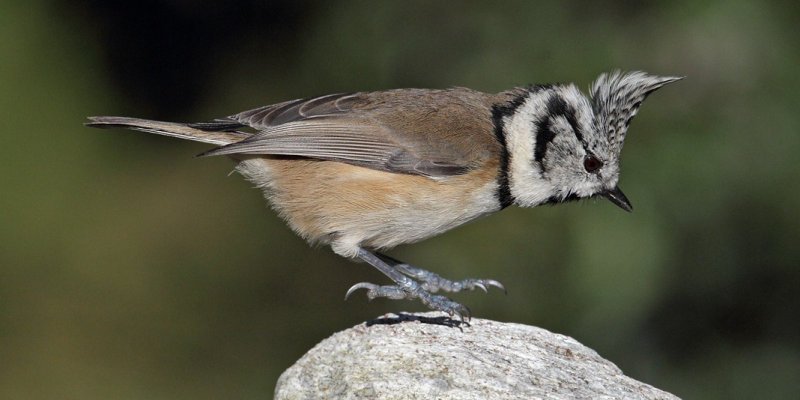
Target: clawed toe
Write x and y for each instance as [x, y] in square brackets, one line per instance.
[461, 311]
[374, 291]
[415, 283]
[441, 303]
[438, 303]
[492, 282]
[361, 285]
[471, 284]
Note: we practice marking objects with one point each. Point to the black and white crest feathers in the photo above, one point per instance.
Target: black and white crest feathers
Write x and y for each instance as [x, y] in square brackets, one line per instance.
[616, 98]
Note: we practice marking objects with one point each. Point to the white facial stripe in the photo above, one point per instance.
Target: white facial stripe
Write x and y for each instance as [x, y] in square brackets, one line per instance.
[560, 125]
[525, 182]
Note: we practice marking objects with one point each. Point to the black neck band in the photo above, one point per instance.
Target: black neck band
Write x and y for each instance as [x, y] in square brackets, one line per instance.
[499, 112]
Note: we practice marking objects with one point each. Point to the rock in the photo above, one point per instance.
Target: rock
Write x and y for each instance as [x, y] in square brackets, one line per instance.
[420, 356]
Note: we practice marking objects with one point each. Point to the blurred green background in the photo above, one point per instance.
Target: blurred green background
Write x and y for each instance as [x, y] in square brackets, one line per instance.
[130, 270]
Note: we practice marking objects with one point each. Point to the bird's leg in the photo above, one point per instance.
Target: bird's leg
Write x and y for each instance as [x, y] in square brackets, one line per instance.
[406, 288]
[433, 282]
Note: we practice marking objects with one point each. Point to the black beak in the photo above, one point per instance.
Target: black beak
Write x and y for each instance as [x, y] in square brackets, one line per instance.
[617, 197]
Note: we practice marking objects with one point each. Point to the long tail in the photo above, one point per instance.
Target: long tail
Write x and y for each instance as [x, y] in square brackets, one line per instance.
[218, 132]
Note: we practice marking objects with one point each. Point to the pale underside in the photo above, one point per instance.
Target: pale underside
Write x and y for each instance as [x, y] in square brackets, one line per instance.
[349, 207]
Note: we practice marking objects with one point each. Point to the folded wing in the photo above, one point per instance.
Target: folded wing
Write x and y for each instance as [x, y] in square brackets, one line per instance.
[353, 129]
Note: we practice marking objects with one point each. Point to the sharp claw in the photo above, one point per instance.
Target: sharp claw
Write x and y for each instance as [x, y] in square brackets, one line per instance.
[360, 285]
[458, 309]
[492, 282]
[482, 286]
[465, 310]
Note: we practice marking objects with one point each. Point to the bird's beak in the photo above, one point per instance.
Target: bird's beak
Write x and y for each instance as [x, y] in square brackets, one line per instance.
[617, 197]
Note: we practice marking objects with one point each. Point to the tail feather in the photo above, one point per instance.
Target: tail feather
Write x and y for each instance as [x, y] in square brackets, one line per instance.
[219, 132]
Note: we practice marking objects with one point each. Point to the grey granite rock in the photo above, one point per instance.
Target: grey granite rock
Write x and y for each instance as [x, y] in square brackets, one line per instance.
[425, 356]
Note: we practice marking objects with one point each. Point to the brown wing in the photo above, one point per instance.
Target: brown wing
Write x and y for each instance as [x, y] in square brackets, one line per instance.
[433, 133]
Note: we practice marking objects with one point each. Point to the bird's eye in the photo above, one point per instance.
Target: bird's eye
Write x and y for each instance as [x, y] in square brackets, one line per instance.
[591, 163]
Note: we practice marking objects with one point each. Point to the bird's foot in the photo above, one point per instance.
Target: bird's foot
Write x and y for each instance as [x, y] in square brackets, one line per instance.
[432, 282]
[412, 290]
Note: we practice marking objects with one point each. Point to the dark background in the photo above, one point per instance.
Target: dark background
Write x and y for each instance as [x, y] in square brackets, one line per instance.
[129, 269]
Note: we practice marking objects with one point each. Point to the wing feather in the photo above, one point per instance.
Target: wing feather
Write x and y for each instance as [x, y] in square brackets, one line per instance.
[372, 132]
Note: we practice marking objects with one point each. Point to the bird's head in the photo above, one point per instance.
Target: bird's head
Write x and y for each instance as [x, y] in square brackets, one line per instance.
[563, 145]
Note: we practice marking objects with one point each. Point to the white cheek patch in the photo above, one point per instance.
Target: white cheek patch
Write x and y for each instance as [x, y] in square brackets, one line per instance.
[565, 136]
[525, 182]
[560, 124]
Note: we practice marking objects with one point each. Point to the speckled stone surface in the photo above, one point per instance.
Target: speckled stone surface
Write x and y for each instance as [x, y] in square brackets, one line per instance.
[424, 356]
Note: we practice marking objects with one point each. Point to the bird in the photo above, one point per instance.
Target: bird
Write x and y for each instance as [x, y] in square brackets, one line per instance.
[364, 172]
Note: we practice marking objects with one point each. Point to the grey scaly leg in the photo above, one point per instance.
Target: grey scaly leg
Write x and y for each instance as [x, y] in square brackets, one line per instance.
[406, 288]
[433, 282]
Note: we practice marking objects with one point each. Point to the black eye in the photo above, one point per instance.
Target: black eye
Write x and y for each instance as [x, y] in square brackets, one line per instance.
[591, 163]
